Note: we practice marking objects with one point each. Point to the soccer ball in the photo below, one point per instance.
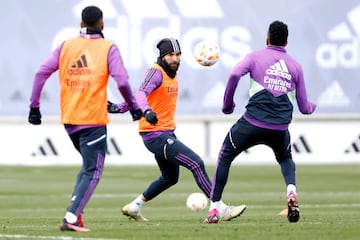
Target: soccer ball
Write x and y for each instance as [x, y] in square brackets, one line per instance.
[206, 53]
[196, 201]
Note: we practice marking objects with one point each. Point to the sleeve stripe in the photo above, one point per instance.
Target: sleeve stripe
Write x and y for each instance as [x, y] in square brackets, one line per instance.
[149, 74]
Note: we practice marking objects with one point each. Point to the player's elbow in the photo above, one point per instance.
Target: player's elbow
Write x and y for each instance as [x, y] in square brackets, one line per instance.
[309, 109]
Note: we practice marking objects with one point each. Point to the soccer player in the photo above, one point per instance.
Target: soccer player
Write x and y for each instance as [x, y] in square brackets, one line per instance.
[276, 79]
[157, 98]
[84, 63]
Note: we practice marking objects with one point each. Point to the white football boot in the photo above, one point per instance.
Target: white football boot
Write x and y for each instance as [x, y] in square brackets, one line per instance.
[133, 213]
[232, 212]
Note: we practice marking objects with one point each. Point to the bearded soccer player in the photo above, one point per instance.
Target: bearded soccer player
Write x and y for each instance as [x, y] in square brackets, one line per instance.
[157, 98]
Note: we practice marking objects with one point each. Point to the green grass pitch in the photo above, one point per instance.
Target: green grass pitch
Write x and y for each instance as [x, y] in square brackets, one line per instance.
[33, 200]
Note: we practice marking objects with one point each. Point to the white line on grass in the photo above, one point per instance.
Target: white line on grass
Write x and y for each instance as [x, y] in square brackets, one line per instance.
[310, 205]
[177, 195]
[19, 236]
[302, 205]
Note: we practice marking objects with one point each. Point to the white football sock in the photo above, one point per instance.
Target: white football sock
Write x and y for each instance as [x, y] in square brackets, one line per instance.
[222, 208]
[137, 203]
[291, 188]
[70, 217]
[214, 205]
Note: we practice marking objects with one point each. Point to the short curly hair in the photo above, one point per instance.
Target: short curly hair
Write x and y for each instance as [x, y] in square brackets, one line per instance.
[91, 15]
[278, 33]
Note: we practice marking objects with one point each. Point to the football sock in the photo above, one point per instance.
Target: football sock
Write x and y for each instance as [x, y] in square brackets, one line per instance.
[222, 207]
[70, 217]
[214, 205]
[291, 188]
[138, 202]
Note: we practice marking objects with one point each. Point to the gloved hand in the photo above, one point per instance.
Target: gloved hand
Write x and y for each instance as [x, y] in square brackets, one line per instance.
[136, 114]
[112, 107]
[150, 116]
[34, 116]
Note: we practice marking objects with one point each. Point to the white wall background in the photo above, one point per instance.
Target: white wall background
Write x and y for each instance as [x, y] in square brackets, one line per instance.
[315, 140]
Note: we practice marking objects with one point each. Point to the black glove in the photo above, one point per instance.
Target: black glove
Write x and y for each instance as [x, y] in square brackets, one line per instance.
[150, 116]
[34, 116]
[112, 107]
[136, 114]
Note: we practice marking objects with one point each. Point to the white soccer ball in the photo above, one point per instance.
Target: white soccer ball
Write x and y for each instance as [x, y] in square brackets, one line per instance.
[206, 53]
[196, 201]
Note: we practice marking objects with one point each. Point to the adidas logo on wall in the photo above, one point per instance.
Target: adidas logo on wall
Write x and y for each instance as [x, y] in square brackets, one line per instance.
[343, 48]
[354, 147]
[112, 147]
[301, 146]
[46, 149]
[333, 96]
[214, 97]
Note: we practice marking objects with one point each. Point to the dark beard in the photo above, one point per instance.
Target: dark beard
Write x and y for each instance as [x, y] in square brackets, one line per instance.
[171, 72]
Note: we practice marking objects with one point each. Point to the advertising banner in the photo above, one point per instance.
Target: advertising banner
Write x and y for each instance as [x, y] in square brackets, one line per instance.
[323, 36]
[311, 143]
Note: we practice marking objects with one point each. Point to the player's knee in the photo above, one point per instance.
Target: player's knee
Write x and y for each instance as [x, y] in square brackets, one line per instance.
[284, 157]
[170, 181]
